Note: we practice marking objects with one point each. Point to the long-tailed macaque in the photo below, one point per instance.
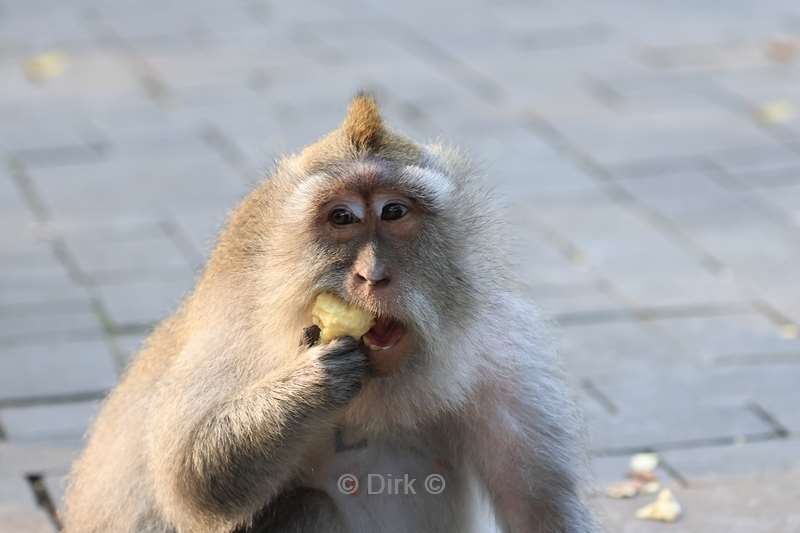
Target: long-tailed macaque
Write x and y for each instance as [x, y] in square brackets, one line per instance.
[235, 418]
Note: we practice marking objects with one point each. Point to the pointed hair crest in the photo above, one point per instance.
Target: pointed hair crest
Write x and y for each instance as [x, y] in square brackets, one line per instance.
[362, 134]
[363, 125]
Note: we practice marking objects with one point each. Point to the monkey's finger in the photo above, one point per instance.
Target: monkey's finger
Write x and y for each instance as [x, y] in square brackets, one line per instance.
[310, 336]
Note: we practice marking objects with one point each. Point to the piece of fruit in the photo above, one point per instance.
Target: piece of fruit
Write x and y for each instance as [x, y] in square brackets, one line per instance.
[337, 318]
[43, 67]
[643, 463]
[776, 112]
[665, 509]
[628, 488]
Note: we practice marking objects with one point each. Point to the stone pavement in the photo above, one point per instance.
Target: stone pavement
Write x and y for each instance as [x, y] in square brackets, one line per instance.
[649, 153]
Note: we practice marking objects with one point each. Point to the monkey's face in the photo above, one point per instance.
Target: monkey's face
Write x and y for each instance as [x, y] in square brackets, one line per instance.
[381, 243]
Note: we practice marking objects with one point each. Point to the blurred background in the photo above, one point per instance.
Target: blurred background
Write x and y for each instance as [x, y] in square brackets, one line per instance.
[649, 153]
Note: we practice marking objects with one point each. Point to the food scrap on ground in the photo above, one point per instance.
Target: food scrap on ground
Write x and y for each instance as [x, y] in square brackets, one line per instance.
[664, 509]
[45, 66]
[628, 488]
[783, 50]
[776, 112]
[642, 479]
[643, 463]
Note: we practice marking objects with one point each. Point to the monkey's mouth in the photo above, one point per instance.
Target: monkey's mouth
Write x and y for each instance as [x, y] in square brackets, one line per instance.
[384, 335]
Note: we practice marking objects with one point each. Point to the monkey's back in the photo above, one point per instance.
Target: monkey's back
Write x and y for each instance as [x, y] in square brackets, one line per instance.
[109, 488]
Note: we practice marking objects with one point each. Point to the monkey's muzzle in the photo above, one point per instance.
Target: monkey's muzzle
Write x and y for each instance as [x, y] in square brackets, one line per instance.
[337, 318]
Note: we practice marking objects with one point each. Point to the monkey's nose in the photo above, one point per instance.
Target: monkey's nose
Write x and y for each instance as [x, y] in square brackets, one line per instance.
[374, 280]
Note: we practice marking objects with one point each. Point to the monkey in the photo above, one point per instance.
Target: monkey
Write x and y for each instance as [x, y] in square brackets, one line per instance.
[234, 418]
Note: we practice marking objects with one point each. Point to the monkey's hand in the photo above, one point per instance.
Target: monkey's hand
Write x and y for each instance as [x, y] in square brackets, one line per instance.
[342, 364]
[221, 461]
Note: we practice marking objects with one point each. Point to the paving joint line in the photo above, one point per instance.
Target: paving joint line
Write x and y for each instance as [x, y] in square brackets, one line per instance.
[429, 52]
[707, 442]
[43, 499]
[147, 75]
[38, 338]
[757, 359]
[230, 153]
[599, 396]
[179, 238]
[742, 107]
[649, 313]
[780, 430]
[673, 472]
[53, 399]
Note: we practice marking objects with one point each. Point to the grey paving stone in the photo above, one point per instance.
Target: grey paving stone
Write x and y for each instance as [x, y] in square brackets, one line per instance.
[772, 387]
[706, 465]
[28, 27]
[200, 229]
[598, 348]
[667, 193]
[127, 346]
[33, 275]
[764, 166]
[53, 369]
[665, 425]
[146, 184]
[786, 200]
[232, 62]
[730, 338]
[725, 223]
[703, 128]
[142, 302]
[155, 128]
[768, 86]
[539, 260]
[644, 264]
[763, 504]
[93, 79]
[52, 425]
[15, 518]
[568, 301]
[12, 203]
[113, 256]
[16, 489]
[65, 132]
[17, 460]
[21, 323]
[608, 470]
[56, 484]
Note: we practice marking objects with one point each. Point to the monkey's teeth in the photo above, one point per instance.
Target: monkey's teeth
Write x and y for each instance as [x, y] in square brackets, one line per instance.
[377, 348]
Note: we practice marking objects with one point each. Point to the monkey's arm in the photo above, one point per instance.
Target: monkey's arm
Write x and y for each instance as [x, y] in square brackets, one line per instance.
[215, 464]
[522, 439]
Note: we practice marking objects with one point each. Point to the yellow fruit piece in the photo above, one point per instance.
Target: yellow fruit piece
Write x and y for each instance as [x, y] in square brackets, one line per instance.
[643, 463]
[665, 509]
[776, 112]
[336, 318]
[43, 67]
[624, 489]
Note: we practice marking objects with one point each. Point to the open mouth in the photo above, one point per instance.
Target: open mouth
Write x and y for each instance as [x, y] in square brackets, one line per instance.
[384, 335]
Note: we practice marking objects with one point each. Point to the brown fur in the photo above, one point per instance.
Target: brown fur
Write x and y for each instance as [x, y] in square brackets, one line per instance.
[361, 134]
[222, 414]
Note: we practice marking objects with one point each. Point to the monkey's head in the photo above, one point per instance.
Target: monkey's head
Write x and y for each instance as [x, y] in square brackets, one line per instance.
[397, 228]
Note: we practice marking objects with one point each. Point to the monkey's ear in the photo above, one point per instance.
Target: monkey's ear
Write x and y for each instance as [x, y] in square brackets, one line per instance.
[363, 125]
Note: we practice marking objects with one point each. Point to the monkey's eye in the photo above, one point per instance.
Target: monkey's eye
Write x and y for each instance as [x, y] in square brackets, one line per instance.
[341, 216]
[393, 211]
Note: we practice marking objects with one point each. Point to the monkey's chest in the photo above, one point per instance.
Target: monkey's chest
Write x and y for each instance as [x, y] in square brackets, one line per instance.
[385, 485]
